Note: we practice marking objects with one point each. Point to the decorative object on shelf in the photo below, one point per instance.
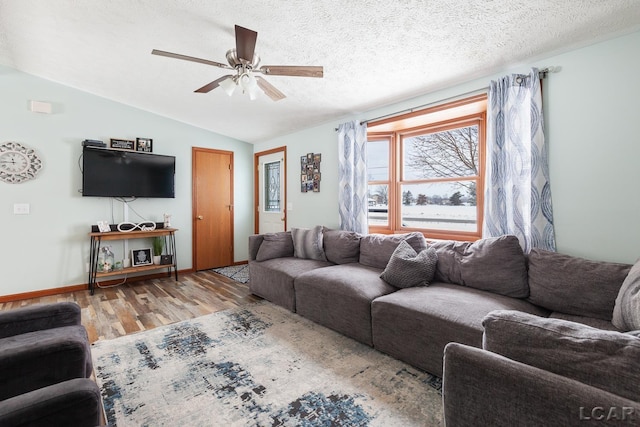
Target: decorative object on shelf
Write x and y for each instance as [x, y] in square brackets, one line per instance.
[158, 247]
[103, 226]
[144, 144]
[106, 260]
[126, 227]
[141, 257]
[18, 163]
[310, 172]
[126, 263]
[123, 144]
[167, 220]
[166, 259]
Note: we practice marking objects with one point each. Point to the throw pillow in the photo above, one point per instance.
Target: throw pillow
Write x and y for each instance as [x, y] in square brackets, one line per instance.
[275, 245]
[307, 243]
[574, 285]
[341, 246]
[376, 249]
[406, 268]
[607, 360]
[626, 311]
[495, 264]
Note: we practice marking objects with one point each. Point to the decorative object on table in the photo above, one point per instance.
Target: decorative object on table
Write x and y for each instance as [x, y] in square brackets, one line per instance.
[122, 144]
[258, 365]
[158, 247]
[167, 220]
[141, 257]
[18, 163]
[106, 259]
[103, 226]
[144, 144]
[310, 172]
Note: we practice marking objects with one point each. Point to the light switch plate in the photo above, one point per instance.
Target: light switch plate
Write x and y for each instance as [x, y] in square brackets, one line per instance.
[21, 208]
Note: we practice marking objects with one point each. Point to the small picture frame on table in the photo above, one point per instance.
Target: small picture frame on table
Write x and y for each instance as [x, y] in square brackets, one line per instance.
[144, 145]
[141, 257]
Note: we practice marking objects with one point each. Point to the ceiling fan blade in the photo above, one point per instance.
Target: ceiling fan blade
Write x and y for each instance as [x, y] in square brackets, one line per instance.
[189, 58]
[245, 43]
[211, 86]
[269, 89]
[292, 70]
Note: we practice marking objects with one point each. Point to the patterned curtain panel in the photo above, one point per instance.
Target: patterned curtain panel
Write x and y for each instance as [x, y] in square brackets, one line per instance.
[352, 175]
[518, 195]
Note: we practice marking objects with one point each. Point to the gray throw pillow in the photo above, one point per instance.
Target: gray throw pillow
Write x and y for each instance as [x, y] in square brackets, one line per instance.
[495, 264]
[376, 249]
[341, 246]
[626, 311]
[406, 268]
[275, 245]
[307, 243]
[607, 360]
[574, 285]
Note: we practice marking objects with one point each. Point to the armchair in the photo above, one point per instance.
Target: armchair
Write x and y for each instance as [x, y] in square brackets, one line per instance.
[535, 371]
[45, 360]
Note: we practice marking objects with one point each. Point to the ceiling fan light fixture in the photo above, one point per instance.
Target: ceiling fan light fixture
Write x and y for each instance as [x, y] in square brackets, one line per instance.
[228, 85]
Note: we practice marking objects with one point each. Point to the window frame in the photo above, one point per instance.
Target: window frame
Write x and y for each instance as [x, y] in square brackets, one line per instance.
[440, 118]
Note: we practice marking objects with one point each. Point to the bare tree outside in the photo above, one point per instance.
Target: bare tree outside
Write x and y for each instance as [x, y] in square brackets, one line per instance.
[447, 154]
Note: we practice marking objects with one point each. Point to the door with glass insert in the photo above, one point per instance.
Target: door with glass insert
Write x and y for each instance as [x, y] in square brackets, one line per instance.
[271, 198]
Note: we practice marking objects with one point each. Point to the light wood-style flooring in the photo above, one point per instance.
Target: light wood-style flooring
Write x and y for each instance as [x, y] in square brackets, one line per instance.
[138, 306]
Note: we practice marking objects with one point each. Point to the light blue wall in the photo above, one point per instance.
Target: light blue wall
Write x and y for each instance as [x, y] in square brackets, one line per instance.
[49, 248]
[592, 109]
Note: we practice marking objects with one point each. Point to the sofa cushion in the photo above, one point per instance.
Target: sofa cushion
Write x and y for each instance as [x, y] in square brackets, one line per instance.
[574, 285]
[626, 311]
[339, 297]
[275, 245]
[307, 243]
[341, 246]
[273, 279]
[406, 268]
[376, 249]
[603, 359]
[415, 324]
[495, 264]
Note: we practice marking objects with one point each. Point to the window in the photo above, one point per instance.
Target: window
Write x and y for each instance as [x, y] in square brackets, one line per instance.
[272, 187]
[425, 171]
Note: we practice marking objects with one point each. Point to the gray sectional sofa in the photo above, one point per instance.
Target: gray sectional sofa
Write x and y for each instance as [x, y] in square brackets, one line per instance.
[336, 281]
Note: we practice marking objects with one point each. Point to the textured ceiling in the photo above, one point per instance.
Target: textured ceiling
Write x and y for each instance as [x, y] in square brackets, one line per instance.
[374, 52]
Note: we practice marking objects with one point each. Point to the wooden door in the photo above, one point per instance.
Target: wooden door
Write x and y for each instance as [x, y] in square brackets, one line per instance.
[212, 208]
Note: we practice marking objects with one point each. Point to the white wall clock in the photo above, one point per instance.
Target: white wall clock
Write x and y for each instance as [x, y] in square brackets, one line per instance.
[18, 163]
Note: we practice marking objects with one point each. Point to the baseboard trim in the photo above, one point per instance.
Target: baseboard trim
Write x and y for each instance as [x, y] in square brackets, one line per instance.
[84, 286]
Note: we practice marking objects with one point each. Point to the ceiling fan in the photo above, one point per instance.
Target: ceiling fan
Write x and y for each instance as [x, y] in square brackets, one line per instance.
[246, 63]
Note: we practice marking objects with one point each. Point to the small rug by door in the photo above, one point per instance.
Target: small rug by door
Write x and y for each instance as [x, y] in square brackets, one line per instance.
[258, 365]
[239, 273]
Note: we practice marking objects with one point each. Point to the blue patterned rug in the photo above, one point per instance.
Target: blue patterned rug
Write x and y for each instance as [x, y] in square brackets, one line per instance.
[239, 273]
[258, 365]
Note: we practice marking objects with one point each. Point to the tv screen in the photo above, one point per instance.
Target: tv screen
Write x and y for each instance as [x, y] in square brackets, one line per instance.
[115, 173]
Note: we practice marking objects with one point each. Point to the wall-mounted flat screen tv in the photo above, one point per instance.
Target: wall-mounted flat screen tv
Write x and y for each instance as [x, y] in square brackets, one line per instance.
[115, 173]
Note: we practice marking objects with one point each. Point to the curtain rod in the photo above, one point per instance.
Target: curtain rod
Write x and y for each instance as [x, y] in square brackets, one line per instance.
[543, 74]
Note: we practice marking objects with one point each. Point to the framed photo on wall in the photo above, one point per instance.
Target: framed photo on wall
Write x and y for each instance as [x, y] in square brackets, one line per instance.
[144, 144]
[141, 257]
[122, 144]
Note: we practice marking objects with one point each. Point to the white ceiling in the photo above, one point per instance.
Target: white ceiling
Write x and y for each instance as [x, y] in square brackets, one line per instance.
[374, 52]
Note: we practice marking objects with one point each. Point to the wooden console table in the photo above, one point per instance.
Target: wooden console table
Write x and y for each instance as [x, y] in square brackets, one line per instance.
[98, 238]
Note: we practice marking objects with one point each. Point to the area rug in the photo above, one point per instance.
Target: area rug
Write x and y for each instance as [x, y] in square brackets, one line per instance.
[239, 273]
[258, 365]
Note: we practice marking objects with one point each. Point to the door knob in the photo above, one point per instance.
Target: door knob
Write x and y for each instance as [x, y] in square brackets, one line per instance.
[200, 217]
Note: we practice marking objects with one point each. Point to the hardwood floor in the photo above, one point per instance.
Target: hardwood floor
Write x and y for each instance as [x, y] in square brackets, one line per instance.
[139, 306]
